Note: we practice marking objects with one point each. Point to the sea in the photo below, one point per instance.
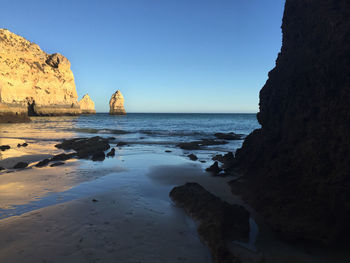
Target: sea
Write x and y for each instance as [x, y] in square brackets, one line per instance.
[162, 129]
[151, 141]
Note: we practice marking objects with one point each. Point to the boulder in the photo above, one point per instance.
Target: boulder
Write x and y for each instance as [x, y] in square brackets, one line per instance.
[116, 104]
[86, 104]
[33, 82]
[218, 220]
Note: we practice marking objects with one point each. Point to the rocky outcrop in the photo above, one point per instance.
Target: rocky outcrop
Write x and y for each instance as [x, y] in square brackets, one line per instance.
[218, 221]
[86, 104]
[296, 167]
[116, 104]
[33, 82]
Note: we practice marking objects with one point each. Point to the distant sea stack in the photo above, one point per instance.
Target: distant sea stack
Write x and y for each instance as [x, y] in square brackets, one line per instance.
[116, 104]
[87, 106]
[33, 82]
[297, 166]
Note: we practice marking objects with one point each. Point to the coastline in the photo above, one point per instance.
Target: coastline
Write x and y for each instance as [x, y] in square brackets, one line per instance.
[118, 208]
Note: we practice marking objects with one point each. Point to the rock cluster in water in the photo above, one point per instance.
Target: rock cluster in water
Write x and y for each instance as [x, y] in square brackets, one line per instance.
[116, 104]
[33, 82]
[296, 167]
[86, 104]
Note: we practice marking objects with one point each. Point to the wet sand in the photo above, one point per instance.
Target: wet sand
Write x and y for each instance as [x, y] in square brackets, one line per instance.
[118, 210]
[131, 220]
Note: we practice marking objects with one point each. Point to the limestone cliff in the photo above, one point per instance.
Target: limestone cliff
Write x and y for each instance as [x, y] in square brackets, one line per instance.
[116, 104]
[87, 106]
[297, 166]
[34, 82]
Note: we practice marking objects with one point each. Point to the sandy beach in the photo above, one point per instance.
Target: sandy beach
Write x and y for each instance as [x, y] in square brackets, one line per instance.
[128, 217]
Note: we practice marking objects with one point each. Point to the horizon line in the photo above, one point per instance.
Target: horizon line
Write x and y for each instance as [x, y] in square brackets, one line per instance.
[185, 112]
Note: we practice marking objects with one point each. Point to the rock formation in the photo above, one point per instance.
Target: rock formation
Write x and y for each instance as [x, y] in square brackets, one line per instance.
[116, 104]
[297, 166]
[87, 106]
[218, 221]
[33, 82]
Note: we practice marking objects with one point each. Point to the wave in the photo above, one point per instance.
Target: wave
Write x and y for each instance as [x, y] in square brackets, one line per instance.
[175, 133]
[151, 133]
[100, 131]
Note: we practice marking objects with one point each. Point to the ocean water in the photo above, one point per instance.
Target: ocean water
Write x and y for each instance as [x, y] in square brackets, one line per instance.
[156, 129]
[148, 136]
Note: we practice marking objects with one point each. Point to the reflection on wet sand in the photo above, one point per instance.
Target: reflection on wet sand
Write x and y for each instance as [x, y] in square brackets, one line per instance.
[19, 187]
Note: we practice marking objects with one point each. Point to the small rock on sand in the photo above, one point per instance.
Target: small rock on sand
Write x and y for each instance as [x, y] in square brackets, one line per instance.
[4, 147]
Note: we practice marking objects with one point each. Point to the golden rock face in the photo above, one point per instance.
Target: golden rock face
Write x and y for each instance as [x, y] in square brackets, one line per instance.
[31, 78]
[116, 104]
[87, 106]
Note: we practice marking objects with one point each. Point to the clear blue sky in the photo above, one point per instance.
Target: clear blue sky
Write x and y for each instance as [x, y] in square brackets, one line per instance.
[164, 55]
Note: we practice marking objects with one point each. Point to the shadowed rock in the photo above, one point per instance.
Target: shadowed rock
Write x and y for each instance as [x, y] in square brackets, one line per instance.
[22, 145]
[20, 165]
[214, 169]
[223, 158]
[219, 221]
[111, 153]
[57, 164]
[43, 163]
[228, 136]
[98, 156]
[86, 147]
[192, 157]
[296, 167]
[62, 157]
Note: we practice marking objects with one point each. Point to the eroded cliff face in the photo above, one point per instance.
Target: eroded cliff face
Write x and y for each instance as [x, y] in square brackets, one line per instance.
[116, 104]
[86, 104]
[34, 81]
[297, 166]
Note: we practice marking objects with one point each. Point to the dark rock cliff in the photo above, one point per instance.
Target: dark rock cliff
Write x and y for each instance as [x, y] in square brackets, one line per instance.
[297, 166]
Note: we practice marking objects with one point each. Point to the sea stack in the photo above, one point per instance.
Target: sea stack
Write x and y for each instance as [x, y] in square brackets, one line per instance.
[87, 106]
[33, 82]
[296, 167]
[116, 104]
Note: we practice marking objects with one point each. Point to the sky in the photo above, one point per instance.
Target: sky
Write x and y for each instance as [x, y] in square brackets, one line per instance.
[164, 55]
